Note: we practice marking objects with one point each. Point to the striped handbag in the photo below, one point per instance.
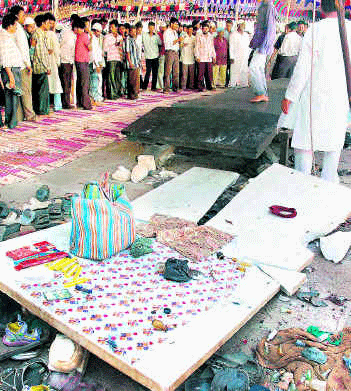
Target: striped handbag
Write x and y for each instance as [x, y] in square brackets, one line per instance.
[102, 221]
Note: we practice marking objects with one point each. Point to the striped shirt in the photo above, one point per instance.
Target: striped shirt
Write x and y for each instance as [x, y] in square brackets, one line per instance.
[131, 48]
[10, 55]
[204, 48]
[114, 52]
[41, 57]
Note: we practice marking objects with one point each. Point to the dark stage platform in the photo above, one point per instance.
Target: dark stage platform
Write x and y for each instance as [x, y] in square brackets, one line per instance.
[225, 123]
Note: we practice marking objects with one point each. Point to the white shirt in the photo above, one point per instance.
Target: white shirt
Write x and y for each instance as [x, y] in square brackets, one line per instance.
[10, 55]
[329, 98]
[291, 44]
[187, 55]
[169, 37]
[96, 56]
[22, 44]
[68, 46]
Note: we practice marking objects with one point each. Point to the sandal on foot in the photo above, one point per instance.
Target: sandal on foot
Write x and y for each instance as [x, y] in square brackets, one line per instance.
[16, 334]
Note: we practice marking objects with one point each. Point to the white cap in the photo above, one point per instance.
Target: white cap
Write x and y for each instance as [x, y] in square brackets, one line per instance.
[59, 26]
[28, 20]
[96, 26]
[163, 24]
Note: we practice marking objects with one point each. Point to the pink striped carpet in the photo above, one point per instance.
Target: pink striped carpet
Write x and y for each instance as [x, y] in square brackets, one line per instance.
[35, 148]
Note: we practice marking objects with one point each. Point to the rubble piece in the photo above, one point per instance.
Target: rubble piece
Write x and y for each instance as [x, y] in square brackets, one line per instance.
[334, 247]
[290, 281]
[318, 385]
[122, 174]
[148, 161]
[139, 173]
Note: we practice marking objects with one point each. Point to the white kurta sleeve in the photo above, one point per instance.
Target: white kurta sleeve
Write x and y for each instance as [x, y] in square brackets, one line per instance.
[302, 71]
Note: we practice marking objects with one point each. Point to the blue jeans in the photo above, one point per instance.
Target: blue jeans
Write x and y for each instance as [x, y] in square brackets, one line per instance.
[257, 73]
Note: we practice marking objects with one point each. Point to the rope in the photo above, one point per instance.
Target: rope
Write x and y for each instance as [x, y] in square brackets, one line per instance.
[312, 57]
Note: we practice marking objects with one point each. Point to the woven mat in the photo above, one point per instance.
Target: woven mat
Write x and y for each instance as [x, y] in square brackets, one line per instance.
[60, 138]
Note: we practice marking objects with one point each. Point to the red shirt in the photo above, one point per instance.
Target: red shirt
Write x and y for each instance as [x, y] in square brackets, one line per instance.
[82, 50]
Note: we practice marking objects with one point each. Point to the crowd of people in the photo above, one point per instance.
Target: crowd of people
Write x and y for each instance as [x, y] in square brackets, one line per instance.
[81, 64]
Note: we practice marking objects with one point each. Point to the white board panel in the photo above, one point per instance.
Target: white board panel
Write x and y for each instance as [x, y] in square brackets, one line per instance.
[188, 196]
[273, 240]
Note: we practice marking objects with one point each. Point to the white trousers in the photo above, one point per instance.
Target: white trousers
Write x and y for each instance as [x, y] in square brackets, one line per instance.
[303, 163]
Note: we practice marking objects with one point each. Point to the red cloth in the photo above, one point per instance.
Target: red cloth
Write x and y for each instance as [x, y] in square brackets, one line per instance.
[82, 51]
[221, 48]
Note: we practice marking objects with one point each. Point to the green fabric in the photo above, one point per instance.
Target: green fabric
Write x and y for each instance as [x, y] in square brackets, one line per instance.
[114, 76]
[315, 331]
[40, 93]
[140, 247]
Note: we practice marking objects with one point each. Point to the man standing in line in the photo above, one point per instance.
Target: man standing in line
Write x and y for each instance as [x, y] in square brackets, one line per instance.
[133, 64]
[227, 34]
[41, 66]
[26, 107]
[220, 69]
[262, 42]
[11, 64]
[67, 46]
[161, 60]
[205, 55]
[82, 58]
[172, 42]
[112, 46]
[188, 59]
[151, 43]
[239, 56]
[97, 64]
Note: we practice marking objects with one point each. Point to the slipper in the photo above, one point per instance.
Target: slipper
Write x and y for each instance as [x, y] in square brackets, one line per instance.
[230, 379]
[16, 334]
[55, 210]
[43, 193]
[34, 204]
[4, 210]
[42, 219]
[314, 354]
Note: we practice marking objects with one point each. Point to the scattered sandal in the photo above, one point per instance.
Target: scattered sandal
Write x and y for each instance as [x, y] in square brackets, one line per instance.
[16, 334]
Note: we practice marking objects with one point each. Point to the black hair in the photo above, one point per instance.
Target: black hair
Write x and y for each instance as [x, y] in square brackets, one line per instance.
[51, 16]
[138, 25]
[132, 26]
[78, 23]
[114, 22]
[74, 17]
[292, 26]
[173, 20]
[127, 25]
[39, 20]
[46, 17]
[9, 20]
[205, 24]
[328, 6]
[151, 23]
[16, 9]
[229, 21]
[84, 19]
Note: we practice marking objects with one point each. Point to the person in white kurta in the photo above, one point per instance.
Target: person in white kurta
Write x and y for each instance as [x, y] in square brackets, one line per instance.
[239, 51]
[55, 86]
[328, 96]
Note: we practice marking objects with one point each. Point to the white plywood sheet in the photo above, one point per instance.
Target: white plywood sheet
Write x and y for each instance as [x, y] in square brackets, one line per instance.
[273, 240]
[187, 348]
[188, 196]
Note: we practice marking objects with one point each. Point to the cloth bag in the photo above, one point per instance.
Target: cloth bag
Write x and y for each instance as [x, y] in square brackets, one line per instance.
[102, 221]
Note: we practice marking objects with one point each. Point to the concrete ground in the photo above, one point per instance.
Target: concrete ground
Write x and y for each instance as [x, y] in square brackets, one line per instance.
[322, 275]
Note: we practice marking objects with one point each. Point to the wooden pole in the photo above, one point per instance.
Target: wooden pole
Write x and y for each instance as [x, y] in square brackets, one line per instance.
[340, 6]
[288, 12]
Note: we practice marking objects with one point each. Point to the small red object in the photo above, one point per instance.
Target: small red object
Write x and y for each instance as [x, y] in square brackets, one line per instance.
[40, 260]
[283, 211]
